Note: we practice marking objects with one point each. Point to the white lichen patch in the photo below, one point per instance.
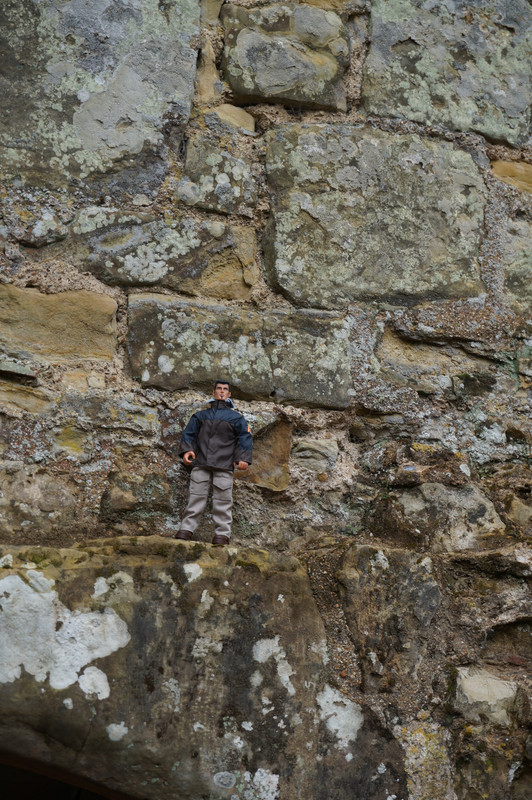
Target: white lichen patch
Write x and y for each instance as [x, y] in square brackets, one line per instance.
[205, 645]
[172, 688]
[192, 571]
[342, 717]
[264, 784]
[265, 649]
[117, 730]
[94, 681]
[43, 637]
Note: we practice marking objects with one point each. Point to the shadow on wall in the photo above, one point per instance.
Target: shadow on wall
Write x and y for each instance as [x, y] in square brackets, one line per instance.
[22, 779]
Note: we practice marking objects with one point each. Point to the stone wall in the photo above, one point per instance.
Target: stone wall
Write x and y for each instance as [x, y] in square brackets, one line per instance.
[330, 204]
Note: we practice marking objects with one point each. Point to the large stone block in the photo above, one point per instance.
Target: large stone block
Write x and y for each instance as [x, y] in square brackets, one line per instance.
[87, 86]
[302, 357]
[61, 326]
[464, 65]
[286, 53]
[361, 214]
[185, 254]
[167, 670]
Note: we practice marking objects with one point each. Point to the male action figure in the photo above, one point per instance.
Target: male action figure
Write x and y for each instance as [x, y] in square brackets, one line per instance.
[216, 440]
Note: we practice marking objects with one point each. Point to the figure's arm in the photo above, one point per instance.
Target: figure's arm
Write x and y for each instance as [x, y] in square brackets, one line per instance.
[187, 445]
[244, 448]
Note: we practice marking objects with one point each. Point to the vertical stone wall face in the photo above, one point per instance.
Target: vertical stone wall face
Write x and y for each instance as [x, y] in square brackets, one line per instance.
[330, 204]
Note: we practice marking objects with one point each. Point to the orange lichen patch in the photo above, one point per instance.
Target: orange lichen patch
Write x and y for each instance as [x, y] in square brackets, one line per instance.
[516, 173]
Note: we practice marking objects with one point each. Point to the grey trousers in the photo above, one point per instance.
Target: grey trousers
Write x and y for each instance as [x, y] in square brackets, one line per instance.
[222, 499]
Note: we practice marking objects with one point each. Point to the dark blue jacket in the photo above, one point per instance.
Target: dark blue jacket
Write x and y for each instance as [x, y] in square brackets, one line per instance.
[218, 435]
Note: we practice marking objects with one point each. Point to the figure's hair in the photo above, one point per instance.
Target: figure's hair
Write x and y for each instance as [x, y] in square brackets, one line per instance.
[225, 383]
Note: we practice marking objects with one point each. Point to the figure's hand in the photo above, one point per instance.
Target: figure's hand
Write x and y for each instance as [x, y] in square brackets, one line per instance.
[241, 465]
[189, 457]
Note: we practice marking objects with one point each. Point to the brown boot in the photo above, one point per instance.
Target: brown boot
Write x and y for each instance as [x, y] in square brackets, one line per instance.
[219, 538]
[184, 535]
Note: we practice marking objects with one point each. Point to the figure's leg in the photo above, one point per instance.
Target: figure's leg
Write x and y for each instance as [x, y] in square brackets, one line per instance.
[198, 492]
[222, 504]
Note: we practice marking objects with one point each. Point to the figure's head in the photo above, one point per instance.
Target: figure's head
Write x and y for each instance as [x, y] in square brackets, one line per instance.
[222, 390]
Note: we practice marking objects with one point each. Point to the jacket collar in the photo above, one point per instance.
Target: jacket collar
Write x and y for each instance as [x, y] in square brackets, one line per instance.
[221, 403]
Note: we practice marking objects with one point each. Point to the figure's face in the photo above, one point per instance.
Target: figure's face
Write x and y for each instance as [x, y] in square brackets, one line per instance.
[221, 391]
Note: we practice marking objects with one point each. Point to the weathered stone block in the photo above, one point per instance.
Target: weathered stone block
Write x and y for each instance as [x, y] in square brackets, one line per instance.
[271, 454]
[285, 53]
[516, 173]
[134, 249]
[301, 357]
[361, 213]
[445, 519]
[318, 455]
[97, 82]
[516, 257]
[58, 326]
[218, 175]
[133, 662]
[467, 66]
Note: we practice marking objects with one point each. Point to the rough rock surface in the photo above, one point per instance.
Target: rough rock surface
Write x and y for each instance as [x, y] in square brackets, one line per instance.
[297, 356]
[364, 214]
[363, 277]
[218, 176]
[57, 327]
[222, 693]
[94, 82]
[464, 65]
[285, 53]
[191, 256]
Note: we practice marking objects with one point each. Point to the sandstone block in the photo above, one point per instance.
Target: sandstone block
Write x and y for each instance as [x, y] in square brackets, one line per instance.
[25, 398]
[97, 83]
[68, 325]
[271, 453]
[516, 173]
[301, 357]
[292, 54]
[480, 693]
[362, 214]
[467, 67]
[207, 257]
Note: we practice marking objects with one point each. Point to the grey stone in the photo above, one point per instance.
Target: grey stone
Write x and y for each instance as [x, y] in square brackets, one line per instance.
[451, 519]
[218, 175]
[362, 214]
[285, 53]
[316, 454]
[480, 693]
[302, 357]
[381, 585]
[467, 66]
[517, 262]
[88, 86]
[137, 249]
